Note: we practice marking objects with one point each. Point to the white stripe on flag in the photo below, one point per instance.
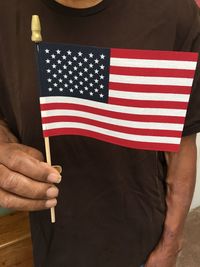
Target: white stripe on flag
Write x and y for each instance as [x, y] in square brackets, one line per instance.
[156, 64]
[124, 123]
[114, 108]
[125, 136]
[129, 137]
[128, 79]
[149, 96]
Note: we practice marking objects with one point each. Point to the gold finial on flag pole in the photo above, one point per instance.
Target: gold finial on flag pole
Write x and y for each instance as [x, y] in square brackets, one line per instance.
[36, 29]
[37, 38]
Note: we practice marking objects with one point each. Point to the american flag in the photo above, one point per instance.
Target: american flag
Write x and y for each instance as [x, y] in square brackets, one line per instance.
[132, 98]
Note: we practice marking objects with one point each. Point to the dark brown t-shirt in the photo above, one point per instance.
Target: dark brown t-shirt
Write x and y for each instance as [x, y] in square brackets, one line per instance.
[111, 206]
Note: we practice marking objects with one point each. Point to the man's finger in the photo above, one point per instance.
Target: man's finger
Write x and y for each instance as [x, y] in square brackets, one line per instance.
[19, 161]
[23, 186]
[14, 202]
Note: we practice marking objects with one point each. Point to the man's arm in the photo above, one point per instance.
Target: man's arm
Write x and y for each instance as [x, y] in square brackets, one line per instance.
[180, 188]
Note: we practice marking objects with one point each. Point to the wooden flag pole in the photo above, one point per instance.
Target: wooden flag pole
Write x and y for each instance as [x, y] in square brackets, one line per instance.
[37, 38]
[48, 158]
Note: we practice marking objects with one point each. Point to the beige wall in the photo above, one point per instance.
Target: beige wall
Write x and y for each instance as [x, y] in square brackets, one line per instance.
[196, 199]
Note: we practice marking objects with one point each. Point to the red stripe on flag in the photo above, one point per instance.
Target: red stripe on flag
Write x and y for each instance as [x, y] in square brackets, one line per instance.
[112, 114]
[113, 140]
[148, 103]
[150, 88]
[154, 54]
[112, 127]
[152, 72]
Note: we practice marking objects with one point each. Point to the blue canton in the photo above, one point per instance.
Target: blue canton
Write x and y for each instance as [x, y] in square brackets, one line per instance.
[74, 71]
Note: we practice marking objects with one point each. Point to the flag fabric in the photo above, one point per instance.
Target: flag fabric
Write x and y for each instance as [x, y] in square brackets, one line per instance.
[132, 98]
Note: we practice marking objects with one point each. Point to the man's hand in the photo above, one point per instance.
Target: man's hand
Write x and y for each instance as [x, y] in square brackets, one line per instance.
[164, 256]
[161, 258]
[26, 183]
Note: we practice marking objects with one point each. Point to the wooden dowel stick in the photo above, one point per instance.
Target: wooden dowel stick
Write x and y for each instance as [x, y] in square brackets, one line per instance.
[37, 38]
[47, 150]
[48, 158]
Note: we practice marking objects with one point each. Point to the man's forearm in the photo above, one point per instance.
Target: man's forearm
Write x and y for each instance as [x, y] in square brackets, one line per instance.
[180, 189]
[5, 134]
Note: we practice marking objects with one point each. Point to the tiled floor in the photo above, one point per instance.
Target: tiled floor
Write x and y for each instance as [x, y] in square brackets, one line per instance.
[190, 255]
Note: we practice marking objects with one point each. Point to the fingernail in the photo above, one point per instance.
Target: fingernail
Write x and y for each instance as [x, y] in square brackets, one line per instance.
[52, 192]
[54, 178]
[58, 168]
[51, 203]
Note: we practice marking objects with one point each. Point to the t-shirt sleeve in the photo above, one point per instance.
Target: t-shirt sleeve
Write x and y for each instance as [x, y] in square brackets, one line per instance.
[192, 121]
[191, 31]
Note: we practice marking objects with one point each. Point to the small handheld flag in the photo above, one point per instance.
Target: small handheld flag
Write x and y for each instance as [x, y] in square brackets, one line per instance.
[132, 98]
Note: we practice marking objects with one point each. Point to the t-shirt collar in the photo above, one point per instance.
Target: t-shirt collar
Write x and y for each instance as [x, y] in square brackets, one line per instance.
[77, 11]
